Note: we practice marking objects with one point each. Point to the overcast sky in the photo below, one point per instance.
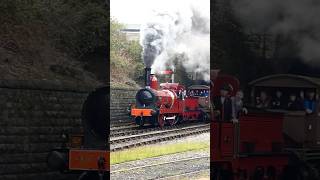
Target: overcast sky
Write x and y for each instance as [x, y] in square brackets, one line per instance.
[137, 11]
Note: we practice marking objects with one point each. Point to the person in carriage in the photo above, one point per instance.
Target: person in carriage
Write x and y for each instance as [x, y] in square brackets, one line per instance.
[222, 104]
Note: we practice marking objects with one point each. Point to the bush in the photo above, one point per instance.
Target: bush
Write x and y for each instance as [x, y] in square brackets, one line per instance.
[125, 56]
[76, 27]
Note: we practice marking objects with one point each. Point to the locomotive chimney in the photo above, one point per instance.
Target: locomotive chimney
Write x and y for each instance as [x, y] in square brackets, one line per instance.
[147, 72]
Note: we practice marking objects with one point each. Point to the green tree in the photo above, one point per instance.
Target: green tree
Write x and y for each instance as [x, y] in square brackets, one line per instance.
[125, 56]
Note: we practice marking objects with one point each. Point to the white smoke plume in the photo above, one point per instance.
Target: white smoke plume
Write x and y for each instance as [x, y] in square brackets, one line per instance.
[178, 34]
[296, 19]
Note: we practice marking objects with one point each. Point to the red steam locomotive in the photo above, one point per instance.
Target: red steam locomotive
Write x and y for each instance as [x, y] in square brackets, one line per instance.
[165, 104]
[266, 143]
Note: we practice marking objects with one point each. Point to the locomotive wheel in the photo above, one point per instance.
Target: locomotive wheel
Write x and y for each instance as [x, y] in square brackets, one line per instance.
[179, 119]
[300, 172]
[140, 121]
[161, 121]
[153, 121]
[92, 175]
[220, 174]
[204, 117]
[311, 172]
[141, 124]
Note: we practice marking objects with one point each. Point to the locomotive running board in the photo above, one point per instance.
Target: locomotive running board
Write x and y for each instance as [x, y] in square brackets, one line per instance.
[89, 160]
[141, 112]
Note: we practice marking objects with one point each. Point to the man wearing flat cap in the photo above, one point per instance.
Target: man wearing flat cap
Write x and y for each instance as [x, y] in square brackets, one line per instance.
[222, 104]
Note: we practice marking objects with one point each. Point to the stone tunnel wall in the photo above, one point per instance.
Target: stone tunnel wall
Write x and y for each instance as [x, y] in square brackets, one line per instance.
[120, 100]
[33, 115]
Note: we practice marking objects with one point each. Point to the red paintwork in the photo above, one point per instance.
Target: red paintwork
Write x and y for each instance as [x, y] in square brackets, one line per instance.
[268, 130]
[167, 99]
[250, 163]
[80, 159]
[172, 86]
[259, 129]
[192, 103]
[224, 79]
[191, 115]
[154, 82]
[166, 72]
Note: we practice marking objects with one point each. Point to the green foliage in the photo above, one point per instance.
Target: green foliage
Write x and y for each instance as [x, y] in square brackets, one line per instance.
[119, 43]
[134, 51]
[125, 56]
[117, 39]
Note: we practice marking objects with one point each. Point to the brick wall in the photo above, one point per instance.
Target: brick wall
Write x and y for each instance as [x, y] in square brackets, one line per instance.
[32, 116]
[120, 99]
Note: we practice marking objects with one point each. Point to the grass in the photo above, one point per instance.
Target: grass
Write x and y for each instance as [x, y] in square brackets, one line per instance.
[155, 150]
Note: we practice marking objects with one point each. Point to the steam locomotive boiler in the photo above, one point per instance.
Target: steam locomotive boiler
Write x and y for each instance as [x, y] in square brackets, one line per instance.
[164, 104]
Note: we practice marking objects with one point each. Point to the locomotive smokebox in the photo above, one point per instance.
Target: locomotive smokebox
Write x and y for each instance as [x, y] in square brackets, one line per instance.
[147, 72]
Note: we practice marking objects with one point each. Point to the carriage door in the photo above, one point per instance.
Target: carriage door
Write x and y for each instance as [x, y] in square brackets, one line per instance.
[227, 138]
[311, 130]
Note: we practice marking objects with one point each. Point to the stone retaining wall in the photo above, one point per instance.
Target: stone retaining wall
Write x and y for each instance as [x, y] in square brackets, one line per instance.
[33, 114]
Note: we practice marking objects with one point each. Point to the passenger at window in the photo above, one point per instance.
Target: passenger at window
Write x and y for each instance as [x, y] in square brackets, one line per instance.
[238, 107]
[278, 102]
[293, 103]
[301, 98]
[263, 101]
[310, 103]
[222, 104]
[317, 104]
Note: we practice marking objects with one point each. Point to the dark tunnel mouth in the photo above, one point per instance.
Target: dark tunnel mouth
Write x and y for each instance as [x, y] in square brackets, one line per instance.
[95, 114]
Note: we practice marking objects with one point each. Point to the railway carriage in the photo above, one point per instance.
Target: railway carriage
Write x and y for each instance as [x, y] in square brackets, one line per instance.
[301, 129]
[268, 143]
[201, 95]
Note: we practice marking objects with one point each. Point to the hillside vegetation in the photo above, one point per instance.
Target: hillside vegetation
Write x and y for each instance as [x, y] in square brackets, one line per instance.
[125, 59]
[55, 40]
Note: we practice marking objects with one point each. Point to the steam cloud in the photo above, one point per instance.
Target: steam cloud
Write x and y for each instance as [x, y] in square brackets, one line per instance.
[296, 19]
[178, 35]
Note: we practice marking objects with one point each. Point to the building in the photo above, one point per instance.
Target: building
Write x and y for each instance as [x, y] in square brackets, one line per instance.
[132, 32]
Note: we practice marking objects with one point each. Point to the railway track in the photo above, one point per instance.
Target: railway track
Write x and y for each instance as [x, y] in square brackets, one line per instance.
[185, 175]
[134, 129]
[118, 124]
[125, 142]
[199, 165]
[123, 130]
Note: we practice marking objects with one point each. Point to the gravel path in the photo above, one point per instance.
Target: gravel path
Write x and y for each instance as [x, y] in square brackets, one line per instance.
[201, 165]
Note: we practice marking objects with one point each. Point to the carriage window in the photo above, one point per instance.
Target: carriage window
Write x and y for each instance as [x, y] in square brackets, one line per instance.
[291, 99]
